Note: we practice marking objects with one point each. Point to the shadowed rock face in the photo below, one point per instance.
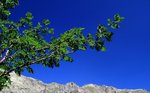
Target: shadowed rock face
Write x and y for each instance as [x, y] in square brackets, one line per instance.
[29, 85]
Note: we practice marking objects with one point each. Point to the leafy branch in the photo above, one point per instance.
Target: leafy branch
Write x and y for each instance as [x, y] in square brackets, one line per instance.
[22, 43]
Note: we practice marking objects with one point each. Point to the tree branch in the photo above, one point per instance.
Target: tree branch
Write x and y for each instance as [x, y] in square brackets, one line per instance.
[3, 59]
[46, 47]
[6, 55]
[27, 64]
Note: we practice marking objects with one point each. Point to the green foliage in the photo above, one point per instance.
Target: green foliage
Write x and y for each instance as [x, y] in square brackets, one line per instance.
[46, 22]
[4, 81]
[115, 23]
[23, 44]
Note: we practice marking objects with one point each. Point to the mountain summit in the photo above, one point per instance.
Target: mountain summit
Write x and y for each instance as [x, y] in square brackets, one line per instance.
[24, 84]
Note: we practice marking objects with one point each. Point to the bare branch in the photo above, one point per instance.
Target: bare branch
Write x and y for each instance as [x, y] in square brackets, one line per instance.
[6, 55]
[3, 59]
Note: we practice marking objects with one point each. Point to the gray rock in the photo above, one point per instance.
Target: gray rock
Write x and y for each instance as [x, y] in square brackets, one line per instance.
[24, 84]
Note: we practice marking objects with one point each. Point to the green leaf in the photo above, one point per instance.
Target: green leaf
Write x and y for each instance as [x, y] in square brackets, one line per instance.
[18, 72]
[23, 53]
[63, 50]
[82, 47]
[103, 49]
[51, 31]
[46, 22]
[118, 18]
[114, 26]
[6, 12]
[29, 16]
[29, 69]
[67, 58]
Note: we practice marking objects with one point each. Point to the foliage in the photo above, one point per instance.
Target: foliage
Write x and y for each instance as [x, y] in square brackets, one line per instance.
[22, 44]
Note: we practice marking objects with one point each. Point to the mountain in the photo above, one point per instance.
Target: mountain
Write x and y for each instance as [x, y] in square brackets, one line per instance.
[24, 84]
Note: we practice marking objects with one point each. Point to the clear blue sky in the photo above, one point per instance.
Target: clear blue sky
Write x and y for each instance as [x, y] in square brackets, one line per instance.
[125, 64]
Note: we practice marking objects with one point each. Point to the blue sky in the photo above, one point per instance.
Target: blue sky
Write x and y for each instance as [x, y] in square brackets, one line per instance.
[125, 64]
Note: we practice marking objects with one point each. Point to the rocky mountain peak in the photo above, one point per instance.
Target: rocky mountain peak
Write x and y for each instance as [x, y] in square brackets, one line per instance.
[24, 84]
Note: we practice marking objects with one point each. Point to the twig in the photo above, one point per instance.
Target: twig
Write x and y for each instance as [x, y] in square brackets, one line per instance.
[3, 59]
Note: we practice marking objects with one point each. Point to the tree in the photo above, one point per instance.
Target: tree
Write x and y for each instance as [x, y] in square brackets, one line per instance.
[22, 44]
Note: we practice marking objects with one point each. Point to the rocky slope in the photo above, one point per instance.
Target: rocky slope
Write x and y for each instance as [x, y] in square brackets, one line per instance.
[29, 85]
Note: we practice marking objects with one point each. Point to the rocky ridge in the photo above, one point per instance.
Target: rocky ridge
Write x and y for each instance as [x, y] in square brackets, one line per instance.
[29, 85]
